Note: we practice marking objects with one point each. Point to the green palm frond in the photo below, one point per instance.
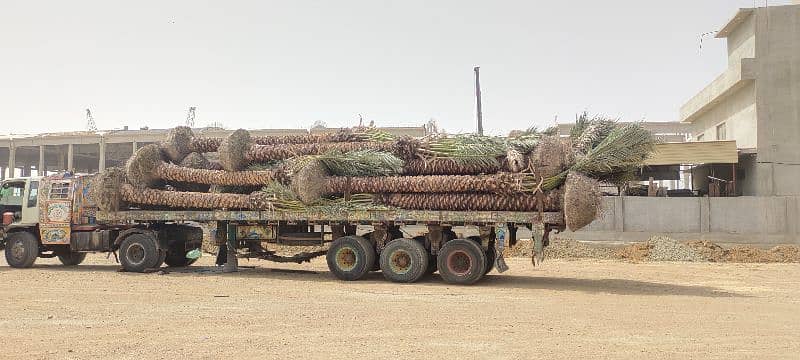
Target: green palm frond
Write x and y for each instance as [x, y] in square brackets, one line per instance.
[581, 122]
[372, 134]
[625, 147]
[354, 163]
[465, 148]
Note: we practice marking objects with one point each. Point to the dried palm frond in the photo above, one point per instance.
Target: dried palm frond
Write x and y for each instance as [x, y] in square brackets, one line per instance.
[624, 147]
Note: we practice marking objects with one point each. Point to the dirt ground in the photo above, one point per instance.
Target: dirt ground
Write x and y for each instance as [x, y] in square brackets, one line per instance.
[563, 309]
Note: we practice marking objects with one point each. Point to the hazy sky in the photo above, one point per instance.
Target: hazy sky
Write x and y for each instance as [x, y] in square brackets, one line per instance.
[286, 64]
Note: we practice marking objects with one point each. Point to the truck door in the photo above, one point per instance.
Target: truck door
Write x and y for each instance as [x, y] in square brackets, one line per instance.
[55, 210]
[30, 204]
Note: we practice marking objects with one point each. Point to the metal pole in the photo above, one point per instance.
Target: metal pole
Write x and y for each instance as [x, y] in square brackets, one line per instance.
[479, 112]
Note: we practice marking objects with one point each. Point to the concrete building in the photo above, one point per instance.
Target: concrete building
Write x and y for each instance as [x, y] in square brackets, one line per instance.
[756, 101]
[92, 151]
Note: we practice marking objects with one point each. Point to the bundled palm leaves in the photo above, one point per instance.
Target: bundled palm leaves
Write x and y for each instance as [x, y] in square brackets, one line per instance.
[367, 169]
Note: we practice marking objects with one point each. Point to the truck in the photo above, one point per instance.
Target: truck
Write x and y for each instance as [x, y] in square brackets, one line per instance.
[56, 216]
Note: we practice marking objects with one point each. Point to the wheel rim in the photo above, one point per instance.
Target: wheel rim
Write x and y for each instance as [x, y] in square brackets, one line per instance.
[400, 262]
[459, 262]
[18, 250]
[135, 254]
[346, 259]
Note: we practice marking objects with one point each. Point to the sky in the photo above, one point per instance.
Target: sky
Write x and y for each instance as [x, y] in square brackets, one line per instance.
[289, 64]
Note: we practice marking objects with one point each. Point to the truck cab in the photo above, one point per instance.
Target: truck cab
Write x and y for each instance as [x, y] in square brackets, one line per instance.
[55, 216]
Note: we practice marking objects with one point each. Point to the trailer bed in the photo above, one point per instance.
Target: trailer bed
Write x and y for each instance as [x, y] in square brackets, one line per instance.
[397, 216]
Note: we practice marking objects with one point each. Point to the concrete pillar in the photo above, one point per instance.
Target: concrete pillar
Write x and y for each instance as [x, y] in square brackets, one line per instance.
[41, 169]
[135, 146]
[705, 214]
[70, 158]
[12, 157]
[102, 164]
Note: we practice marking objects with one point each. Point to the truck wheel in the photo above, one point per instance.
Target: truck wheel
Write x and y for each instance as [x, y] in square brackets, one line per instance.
[138, 252]
[350, 257]
[71, 258]
[176, 259]
[404, 260]
[491, 255]
[431, 265]
[22, 249]
[461, 261]
[162, 255]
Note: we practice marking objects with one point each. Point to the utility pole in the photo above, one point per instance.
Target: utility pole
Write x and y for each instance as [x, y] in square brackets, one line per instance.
[479, 112]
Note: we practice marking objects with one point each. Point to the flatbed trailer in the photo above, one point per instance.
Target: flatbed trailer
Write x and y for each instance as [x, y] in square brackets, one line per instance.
[249, 233]
[66, 223]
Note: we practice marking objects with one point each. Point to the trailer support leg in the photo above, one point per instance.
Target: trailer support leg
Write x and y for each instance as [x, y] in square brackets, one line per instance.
[232, 263]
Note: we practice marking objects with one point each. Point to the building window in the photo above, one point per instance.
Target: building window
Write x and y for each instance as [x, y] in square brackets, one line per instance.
[721, 132]
[700, 137]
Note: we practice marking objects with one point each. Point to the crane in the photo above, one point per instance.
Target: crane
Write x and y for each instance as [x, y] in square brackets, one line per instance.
[90, 124]
[190, 116]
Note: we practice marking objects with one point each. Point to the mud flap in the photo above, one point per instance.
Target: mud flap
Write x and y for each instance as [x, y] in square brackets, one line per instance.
[500, 244]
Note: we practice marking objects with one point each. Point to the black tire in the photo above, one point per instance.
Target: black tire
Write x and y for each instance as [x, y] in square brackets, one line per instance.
[404, 260]
[162, 256]
[350, 257]
[431, 258]
[138, 252]
[461, 261]
[71, 258]
[491, 255]
[22, 249]
[177, 258]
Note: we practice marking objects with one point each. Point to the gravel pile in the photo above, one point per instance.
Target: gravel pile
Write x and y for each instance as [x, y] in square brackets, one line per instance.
[663, 248]
[562, 249]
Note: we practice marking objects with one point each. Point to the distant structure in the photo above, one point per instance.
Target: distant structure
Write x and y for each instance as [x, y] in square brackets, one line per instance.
[190, 117]
[755, 101]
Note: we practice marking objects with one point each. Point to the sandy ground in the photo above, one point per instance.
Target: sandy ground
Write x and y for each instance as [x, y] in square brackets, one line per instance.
[564, 309]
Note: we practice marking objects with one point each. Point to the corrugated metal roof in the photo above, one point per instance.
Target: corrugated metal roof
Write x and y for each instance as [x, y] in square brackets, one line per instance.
[704, 152]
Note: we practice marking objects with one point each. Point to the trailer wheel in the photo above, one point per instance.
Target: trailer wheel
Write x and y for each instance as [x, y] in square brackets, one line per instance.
[22, 249]
[162, 255]
[176, 259]
[71, 258]
[404, 260]
[350, 257]
[461, 261]
[491, 255]
[138, 252]
[431, 258]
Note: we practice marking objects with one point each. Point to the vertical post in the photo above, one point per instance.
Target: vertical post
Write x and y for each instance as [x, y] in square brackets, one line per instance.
[135, 146]
[71, 158]
[12, 157]
[733, 180]
[479, 110]
[232, 263]
[102, 162]
[42, 168]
